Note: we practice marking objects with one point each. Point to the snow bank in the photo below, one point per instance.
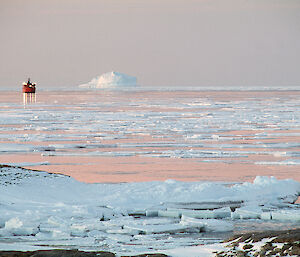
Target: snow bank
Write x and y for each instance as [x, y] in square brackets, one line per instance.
[111, 79]
[51, 207]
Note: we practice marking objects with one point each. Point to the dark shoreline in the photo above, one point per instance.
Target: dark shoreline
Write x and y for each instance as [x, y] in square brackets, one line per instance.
[290, 240]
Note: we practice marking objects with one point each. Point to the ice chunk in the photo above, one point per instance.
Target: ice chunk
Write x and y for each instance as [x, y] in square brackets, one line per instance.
[245, 214]
[118, 222]
[152, 213]
[56, 221]
[215, 137]
[162, 228]
[214, 225]
[279, 154]
[79, 230]
[137, 212]
[169, 213]
[266, 216]
[13, 223]
[204, 214]
[292, 215]
[269, 189]
[111, 79]
[192, 222]
[16, 227]
[285, 162]
[211, 225]
[54, 234]
[14, 148]
[97, 234]
[124, 230]
[205, 205]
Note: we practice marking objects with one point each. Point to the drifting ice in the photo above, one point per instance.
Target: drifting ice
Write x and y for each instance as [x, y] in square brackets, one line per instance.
[111, 79]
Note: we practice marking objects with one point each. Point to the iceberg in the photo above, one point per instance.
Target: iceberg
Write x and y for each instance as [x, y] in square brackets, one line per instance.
[111, 80]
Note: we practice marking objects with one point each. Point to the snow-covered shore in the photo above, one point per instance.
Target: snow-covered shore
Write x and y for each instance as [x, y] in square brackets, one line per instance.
[41, 210]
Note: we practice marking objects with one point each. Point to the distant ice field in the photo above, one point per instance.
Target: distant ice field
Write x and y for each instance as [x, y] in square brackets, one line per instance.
[146, 135]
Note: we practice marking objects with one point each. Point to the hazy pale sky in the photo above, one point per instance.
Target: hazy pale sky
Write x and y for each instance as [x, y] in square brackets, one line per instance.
[161, 42]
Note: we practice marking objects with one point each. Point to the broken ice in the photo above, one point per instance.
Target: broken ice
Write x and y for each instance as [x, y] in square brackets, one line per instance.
[40, 208]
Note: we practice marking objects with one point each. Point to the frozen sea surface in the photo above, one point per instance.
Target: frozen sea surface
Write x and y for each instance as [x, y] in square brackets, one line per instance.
[162, 140]
[39, 210]
[123, 136]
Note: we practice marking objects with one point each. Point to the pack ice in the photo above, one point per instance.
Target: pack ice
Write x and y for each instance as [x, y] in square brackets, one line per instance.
[39, 209]
[111, 79]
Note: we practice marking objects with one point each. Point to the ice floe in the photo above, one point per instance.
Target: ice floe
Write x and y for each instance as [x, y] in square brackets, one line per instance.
[285, 162]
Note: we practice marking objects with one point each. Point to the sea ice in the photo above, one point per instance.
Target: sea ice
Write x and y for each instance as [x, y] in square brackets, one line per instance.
[16, 227]
[285, 162]
[249, 212]
[58, 209]
[208, 225]
[284, 215]
[199, 214]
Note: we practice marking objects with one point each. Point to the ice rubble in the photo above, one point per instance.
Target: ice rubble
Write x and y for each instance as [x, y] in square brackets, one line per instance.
[111, 79]
[40, 207]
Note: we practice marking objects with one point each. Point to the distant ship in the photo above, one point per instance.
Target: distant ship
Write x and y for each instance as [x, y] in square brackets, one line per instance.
[28, 87]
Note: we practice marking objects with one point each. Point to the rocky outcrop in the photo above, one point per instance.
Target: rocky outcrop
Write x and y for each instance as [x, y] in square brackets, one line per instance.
[277, 243]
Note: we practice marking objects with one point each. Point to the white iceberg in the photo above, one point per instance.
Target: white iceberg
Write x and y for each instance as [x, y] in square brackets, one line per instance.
[111, 80]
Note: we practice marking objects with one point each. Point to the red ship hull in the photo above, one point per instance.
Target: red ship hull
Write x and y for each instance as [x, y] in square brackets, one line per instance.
[28, 89]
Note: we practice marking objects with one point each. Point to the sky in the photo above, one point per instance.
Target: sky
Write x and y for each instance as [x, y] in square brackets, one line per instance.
[161, 42]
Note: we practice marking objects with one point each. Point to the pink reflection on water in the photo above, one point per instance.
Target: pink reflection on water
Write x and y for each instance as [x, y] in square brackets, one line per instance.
[137, 168]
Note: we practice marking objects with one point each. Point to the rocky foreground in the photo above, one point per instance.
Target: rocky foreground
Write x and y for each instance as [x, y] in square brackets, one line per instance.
[269, 243]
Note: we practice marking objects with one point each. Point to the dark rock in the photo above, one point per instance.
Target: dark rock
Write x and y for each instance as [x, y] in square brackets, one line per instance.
[240, 254]
[295, 250]
[268, 246]
[281, 236]
[220, 254]
[247, 246]
[290, 238]
[15, 254]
